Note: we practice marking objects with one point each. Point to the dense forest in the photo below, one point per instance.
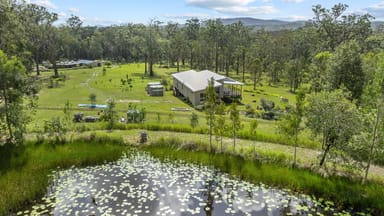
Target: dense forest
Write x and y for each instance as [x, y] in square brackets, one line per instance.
[336, 58]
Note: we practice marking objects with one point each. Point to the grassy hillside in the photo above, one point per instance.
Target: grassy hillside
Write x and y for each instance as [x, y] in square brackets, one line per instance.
[80, 83]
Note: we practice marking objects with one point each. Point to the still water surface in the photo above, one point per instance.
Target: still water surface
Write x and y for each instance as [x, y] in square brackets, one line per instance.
[139, 184]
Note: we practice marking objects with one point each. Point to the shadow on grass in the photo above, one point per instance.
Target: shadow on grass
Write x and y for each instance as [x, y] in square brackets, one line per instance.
[12, 157]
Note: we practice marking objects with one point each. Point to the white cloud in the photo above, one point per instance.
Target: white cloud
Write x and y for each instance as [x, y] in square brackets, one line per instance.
[62, 15]
[297, 18]
[248, 11]
[376, 10]
[44, 3]
[74, 10]
[187, 16]
[234, 7]
[293, 1]
[218, 3]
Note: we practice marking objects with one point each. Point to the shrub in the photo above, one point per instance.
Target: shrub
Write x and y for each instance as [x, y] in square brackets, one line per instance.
[250, 111]
[267, 105]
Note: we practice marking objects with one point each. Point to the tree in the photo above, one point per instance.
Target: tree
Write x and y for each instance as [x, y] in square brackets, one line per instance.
[220, 124]
[290, 124]
[13, 36]
[92, 98]
[15, 88]
[192, 28]
[333, 117]
[194, 120]
[110, 114]
[38, 19]
[255, 66]
[294, 69]
[252, 129]
[67, 110]
[320, 73]
[234, 116]
[56, 128]
[53, 42]
[335, 27]
[152, 45]
[346, 69]
[214, 33]
[210, 108]
[368, 145]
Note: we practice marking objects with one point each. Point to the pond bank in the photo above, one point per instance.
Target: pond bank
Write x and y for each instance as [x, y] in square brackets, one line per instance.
[342, 191]
[25, 177]
[25, 169]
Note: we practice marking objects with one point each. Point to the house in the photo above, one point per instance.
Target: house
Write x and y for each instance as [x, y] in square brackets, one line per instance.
[191, 86]
[78, 63]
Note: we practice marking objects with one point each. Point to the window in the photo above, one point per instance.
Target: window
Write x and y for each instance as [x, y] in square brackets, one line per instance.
[202, 96]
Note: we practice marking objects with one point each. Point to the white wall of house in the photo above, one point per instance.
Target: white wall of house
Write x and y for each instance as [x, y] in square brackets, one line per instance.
[198, 97]
[190, 85]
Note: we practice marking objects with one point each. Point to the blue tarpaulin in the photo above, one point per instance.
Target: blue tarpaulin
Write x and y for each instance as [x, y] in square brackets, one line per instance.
[93, 105]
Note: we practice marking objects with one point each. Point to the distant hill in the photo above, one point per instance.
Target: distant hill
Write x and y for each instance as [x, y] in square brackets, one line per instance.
[276, 25]
[268, 25]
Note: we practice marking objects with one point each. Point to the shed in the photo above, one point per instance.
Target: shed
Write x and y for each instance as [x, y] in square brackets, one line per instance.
[156, 90]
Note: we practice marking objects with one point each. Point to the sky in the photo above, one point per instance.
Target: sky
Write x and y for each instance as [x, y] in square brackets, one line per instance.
[115, 12]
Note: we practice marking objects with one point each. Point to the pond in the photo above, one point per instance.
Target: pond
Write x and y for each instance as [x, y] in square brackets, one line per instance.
[139, 184]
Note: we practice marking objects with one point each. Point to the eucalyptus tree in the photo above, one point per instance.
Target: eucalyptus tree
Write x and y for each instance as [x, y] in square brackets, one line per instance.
[110, 114]
[256, 68]
[242, 41]
[152, 45]
[214, 30]
[171, 30]
[53, 44]
[346, 68]
[138, 42]
[13, 38]
[235, 44]
[210, 108]
[290, 125]
[299, 54]
[37, 18]
[336, 26]
[220, 124]
[319, 72]
[192, 31]
[265, 48]
[368, 145]
[17, 95]
[253, 130]
[235, 124]
[176, 44]
[333, 117]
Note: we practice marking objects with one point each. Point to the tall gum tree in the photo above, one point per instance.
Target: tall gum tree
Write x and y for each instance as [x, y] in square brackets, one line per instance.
[15, 86]
[368, 145]
[210, 108]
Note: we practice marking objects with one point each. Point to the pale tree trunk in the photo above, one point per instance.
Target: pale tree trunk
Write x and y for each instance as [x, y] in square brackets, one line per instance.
[372, 147]
[37, 65]
[191, 59]
[295, 149]
[7, 117]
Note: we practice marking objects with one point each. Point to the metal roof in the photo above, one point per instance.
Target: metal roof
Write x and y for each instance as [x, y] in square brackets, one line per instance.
[198, 81]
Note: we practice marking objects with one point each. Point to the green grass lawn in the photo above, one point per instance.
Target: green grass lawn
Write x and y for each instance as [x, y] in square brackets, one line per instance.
[81, 83]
